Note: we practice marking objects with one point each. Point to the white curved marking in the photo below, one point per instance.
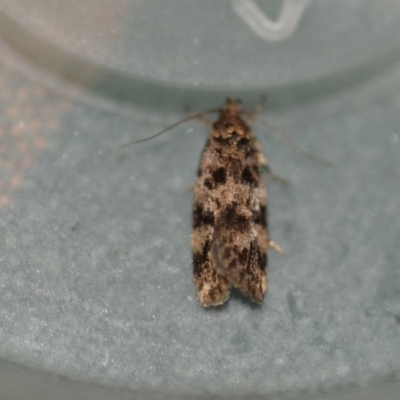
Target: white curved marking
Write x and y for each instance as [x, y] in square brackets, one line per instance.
[262, 26]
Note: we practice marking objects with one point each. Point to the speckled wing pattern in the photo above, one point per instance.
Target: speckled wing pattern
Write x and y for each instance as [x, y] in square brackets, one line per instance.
[230, 237]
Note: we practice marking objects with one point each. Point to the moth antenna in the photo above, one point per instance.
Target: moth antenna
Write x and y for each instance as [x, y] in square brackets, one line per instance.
[196, 115]
[295, 147]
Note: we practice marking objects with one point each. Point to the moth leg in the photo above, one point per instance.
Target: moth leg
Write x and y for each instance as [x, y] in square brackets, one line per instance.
[275, 246]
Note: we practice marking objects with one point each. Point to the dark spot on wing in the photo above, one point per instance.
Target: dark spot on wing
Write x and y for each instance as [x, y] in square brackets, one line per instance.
[262, 259]
[242, 223]
[219, 176]
[249, 177]
[219, 140]
[201, 217]
[208, 183]
[260, 217]
[243, 256]
[233, 221]
[199, 259]
[243, 142]
[263, 215]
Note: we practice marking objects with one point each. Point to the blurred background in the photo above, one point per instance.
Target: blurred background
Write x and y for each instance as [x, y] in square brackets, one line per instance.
[96, 292]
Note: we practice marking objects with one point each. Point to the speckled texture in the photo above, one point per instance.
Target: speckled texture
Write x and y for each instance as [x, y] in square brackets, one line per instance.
[95, 260]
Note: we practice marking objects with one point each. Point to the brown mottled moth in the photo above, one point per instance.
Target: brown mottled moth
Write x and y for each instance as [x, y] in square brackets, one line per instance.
[230, 235]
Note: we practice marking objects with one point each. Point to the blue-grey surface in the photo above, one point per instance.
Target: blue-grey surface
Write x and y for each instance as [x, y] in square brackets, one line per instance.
[95, 278]
[176, 42]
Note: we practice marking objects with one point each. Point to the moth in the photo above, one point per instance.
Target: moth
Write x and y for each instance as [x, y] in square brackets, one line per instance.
[230, 236]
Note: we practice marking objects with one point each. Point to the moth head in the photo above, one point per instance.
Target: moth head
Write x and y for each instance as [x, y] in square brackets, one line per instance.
[231, 124]
[232, 107]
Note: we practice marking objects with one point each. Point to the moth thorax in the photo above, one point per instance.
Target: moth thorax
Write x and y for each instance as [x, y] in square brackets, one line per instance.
[236, 130]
